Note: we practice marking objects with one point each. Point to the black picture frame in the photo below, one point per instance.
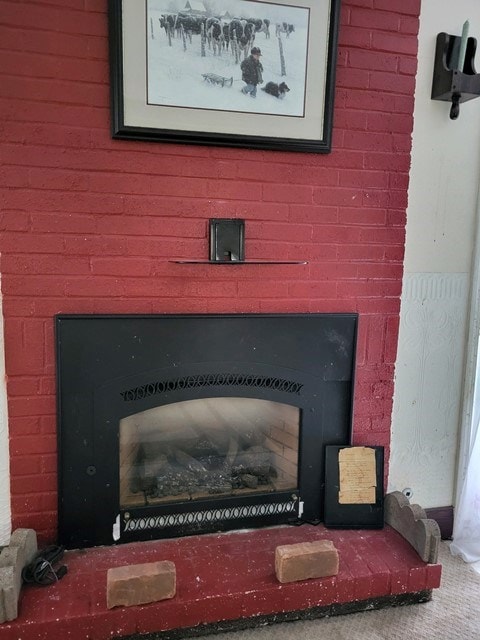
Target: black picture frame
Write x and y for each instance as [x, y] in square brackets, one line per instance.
[147, 106]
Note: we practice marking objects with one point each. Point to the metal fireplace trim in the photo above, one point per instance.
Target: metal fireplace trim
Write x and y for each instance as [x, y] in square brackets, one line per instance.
[108, 369]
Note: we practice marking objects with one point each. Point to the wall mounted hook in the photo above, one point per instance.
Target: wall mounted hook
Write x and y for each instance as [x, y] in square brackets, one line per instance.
[450, 83]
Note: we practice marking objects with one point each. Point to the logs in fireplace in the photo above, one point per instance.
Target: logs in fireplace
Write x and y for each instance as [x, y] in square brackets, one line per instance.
[173, 425]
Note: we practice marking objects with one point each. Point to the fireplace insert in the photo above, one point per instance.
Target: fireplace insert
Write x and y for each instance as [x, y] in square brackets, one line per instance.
[174, 425]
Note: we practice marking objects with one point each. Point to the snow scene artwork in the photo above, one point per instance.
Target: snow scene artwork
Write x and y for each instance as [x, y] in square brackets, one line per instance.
[241, 73]
[195, 51]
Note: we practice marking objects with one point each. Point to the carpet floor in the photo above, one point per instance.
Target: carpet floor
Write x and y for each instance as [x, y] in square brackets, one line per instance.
[452, 614]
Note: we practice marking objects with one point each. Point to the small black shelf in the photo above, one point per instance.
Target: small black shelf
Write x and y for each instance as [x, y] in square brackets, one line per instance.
[239, 262]
[227, 245]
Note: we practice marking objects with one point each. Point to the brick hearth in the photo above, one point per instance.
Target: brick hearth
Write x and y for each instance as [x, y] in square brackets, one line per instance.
[228, 581]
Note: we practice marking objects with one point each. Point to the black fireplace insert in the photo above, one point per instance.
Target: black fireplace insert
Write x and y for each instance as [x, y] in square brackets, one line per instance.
[175, 425]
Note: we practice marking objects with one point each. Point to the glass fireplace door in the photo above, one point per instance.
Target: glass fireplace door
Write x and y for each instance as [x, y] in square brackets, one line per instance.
[207, 448]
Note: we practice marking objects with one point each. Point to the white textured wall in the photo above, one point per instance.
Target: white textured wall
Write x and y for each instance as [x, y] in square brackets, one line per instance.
[444, 180]
[5, 517]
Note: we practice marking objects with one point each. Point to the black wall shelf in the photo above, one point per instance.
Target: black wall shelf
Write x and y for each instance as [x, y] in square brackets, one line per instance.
[227, 245]
[239, 262]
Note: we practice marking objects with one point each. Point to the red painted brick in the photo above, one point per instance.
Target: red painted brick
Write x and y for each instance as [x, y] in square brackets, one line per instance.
[392, 122]
[371, 439]
[408, 66]
[271, 172]
[14, 221]
[48, 463]
[24, 465]
[13, 16]
[402, 142]
[338, 197]
[434, 576]
[411, 7]
[344, 158]
[403, 104]
[121, 266]
[24, 426]
[336, 271]
[354, 37]
[311, 290]
[231, 189]
[24, 348]
[388, 161]
[352, 78]
[32, 445]
[312, 175]
[380, 20]
[63, 223]
[287, 193]
[36, 285]
[395, 43]
[361, 3]
[380, 424]
[350, 119]
[373, 60]
[392, 82]
[34, 484]
[22, 386]
[45, 264]
[417, 578]
[409, 25]
[13, 242]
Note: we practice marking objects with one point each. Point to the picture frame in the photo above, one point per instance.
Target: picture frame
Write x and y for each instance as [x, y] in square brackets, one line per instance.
[354, 514]
[177, 75]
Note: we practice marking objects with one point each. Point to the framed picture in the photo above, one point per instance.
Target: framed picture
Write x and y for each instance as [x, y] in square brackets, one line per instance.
[354, 487]
[238, 73]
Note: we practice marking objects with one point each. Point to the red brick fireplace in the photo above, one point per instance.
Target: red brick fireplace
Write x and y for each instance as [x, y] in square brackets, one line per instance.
[95, 226]
[92, 225]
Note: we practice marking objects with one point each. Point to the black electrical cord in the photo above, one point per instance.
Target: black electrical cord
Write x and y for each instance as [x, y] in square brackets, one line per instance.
[41, 570]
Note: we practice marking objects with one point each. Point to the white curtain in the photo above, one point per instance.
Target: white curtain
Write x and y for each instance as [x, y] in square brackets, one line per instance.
[466, 530]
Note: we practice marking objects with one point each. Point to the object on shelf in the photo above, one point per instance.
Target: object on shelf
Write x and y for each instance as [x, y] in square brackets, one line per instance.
[227, 240]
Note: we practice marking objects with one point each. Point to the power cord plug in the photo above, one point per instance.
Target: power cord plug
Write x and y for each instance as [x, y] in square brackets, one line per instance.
[41, 570]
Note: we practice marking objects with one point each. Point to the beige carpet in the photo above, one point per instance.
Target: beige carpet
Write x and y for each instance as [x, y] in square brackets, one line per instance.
[453, 614]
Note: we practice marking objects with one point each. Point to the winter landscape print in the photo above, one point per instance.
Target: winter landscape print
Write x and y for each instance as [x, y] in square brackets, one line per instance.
[228, 56]
[241, 73]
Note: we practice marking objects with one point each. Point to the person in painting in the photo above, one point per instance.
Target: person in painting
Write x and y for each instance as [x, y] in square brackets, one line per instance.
[252, 72]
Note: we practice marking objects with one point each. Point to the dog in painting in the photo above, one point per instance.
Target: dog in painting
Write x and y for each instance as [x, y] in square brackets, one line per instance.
[277, 90]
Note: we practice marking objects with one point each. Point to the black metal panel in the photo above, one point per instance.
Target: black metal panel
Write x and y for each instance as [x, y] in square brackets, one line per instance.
[110, 367]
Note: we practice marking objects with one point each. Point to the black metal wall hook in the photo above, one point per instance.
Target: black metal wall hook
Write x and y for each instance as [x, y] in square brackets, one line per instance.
[450, 83]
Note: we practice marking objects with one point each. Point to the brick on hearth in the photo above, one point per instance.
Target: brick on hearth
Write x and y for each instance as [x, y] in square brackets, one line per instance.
[305, 560]
[140, 583]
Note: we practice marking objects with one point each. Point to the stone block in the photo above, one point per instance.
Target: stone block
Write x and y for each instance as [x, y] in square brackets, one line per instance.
[19, 553]
[411, 521]
[140, 583]
[27, 540]
[306, 560]
[8, 595]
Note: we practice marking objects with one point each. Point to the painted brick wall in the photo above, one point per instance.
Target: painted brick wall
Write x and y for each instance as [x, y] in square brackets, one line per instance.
[89, 224]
